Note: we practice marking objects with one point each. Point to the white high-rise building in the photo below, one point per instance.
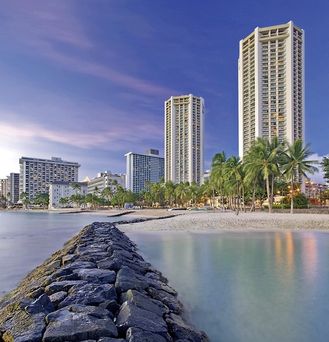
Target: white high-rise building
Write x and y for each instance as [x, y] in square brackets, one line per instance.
[184, 127]
[143, 169]
[36, 174]
[271, 85]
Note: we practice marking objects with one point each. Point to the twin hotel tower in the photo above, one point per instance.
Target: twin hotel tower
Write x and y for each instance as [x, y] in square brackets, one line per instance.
[271, 104]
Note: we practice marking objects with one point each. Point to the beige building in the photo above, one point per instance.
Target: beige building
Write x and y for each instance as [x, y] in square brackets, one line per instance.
[271, 85]
[183, 146]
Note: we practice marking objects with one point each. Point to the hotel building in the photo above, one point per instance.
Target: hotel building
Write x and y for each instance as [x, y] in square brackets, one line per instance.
[36, 174]
[58, 190]
[271, 85]
[13, 187]
[106, 180]
[183, 145]
[143, 169]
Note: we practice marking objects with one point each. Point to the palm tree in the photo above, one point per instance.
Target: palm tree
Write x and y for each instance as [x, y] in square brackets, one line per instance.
[325, 165]
[265, 158]
[217, 175]
[295, 164]
[234, 180]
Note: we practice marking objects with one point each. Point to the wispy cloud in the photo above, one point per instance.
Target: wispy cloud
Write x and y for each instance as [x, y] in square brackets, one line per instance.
[110, 138]
[52, 29]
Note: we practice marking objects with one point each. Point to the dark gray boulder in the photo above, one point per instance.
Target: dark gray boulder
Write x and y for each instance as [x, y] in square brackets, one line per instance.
[57, 297]
[127, 279]
[131, 316]
[62, 286]
[89, 294]
[169, 300]
[145, 302]
[181, 330]
[78, 323]
[96, 275]
[23, 327]
[41, 305]
[138, 335]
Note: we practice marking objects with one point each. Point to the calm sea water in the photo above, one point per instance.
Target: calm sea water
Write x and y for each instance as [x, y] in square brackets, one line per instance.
[27, 239]
[248, 286]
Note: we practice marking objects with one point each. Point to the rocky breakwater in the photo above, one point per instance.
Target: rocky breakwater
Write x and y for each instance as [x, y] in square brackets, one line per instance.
[97, 288]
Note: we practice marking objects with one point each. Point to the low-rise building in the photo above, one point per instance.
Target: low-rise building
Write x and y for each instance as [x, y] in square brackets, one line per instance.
[104, 180]
[58, 190]
[314, 190]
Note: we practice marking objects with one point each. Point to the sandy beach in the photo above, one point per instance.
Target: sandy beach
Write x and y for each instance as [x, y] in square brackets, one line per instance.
[219, 221]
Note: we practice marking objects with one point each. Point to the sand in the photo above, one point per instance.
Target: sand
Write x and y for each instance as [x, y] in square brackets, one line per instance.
[223, 221]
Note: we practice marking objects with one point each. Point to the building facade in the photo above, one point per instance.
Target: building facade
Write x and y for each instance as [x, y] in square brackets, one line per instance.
[143, 169]
[106, 180]
[271, 85]
[4, 189]
[36, 174]
[58, 190]
[184, 134]
[13, 187]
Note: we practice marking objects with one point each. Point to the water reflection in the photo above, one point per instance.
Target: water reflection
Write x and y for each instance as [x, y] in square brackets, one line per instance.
[248, 286]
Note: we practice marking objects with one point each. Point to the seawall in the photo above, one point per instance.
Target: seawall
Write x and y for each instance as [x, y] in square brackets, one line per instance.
[96, 288]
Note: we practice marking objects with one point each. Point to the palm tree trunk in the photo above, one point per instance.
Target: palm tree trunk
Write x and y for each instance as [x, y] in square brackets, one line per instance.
[268, 195]
[292, 196]
[253, 196]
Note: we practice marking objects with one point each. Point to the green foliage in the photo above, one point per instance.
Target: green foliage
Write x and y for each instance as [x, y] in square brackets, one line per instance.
[300, 202]
[41, 199]
[325, 165]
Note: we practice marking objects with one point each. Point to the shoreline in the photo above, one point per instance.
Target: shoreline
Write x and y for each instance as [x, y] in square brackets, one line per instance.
[229, 222]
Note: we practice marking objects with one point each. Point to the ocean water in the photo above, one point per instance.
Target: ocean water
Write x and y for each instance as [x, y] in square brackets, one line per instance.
[236, 286]
[27, 239]
[248, 286]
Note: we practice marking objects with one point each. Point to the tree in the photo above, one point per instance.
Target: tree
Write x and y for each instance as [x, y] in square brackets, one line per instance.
[295, 163]
[265, 160]
[63, 201]
[325, 165]
[25, 199]
[41, 199]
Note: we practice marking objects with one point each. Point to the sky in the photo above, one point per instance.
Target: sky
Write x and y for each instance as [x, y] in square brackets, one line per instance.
[86, 80]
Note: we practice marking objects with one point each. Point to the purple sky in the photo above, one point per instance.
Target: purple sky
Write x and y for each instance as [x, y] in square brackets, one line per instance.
[86, 80]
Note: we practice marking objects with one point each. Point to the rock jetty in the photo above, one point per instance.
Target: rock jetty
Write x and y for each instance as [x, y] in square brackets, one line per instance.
[97, 288]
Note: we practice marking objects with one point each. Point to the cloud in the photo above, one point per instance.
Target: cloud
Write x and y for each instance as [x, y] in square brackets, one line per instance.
[107, 138]
[52, 30]
[318, 176]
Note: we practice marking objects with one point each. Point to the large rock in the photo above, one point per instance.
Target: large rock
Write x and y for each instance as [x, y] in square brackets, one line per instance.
[23, 327]
[145, 302]
[41, 305]
[127, 279]
[138, 335]
[78, 323]
[132, 316]
[89, 294]
[96, 275]
[181, 330]
[166, 298]
[57, 297]
[63, 286]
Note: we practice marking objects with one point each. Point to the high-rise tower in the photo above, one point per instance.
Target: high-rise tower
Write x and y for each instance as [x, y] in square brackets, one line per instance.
[184, 116]
[271, 85]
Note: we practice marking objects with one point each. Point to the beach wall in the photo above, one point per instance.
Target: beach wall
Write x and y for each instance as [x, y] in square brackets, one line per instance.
[97, 288]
